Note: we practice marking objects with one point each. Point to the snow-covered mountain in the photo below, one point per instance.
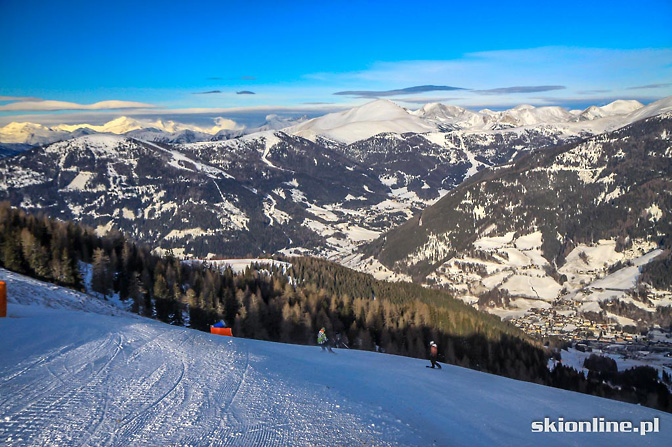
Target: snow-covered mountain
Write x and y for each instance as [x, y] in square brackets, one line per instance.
[566, 229]
[384, 116]
[360, 123]
[124, 125]
[448, 117]
[256, 194]
[159, 131]
[233, 197]
[356, 124]
[616, 108]
[77, 371]
[277, 122]
[270, 190]
[457, 118]
[36, 134]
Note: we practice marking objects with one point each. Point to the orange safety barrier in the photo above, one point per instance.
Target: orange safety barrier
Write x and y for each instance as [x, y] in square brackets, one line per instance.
[221, 331]
[3, 299]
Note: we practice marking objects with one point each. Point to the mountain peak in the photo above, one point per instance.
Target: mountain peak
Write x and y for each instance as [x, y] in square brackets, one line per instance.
[524, 107]
[122, 119]
[16, 127]
[622, 107]
[380, 109]
[28, 133]
[437, 107]
[362, 122]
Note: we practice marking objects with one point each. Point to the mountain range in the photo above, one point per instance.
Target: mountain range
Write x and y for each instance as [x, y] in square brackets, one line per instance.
[351, 125]
[441, 195]
[166, 131]
[550, 224]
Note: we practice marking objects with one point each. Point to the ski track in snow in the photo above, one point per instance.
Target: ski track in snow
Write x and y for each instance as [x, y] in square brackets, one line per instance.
[140, 384]
[71, 376]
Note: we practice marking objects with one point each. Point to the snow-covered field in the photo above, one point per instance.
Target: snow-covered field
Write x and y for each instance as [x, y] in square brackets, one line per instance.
[624, 360]
[518, 266]
[70, 375]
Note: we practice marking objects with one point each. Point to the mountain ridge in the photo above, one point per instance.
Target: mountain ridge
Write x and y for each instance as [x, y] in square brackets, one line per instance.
[312, 197]
[569, 228]
[355, 124]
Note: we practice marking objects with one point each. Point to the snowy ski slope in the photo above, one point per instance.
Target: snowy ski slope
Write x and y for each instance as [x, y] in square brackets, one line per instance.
[78, 374]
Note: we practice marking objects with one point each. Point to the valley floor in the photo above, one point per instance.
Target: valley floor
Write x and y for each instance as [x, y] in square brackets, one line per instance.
[70, 375]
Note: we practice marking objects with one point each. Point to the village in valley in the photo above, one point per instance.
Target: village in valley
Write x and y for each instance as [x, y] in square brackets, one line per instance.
[612, 337]
[594, 303]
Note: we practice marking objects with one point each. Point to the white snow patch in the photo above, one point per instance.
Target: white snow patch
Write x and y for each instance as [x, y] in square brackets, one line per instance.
[191, 232]
[80, 181]
[654, 212]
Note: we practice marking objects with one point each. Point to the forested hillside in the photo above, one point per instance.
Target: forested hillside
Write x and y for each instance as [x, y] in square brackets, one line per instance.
[614, 186]
[273, 303]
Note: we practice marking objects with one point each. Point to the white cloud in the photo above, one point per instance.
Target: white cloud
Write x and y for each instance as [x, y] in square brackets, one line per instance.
[223, 118]
[578, 69]
[226, 124]
[19, 98]
[63, 105]
[584, 72]
[587, 75]
[260, 108]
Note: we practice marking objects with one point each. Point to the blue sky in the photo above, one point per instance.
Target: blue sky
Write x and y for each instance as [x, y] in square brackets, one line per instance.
[85, 60]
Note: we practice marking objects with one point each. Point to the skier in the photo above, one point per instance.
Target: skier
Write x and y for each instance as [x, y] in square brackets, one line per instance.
[322, 340]
[433, 354]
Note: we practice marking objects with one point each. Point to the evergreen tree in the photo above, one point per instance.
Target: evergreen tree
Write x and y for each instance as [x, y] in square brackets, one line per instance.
[162, 299]
[101, 280]
[69, 271]
[12, 259]
[63, 269]
[177, 300]
[136, 293]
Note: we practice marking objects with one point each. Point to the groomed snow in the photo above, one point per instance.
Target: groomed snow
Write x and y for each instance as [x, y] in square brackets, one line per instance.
[81, 378]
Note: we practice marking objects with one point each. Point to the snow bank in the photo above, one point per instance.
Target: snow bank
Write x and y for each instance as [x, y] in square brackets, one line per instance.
[27, 291]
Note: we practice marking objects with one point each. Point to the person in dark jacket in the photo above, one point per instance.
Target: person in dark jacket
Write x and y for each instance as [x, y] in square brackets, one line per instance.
[433, 354]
